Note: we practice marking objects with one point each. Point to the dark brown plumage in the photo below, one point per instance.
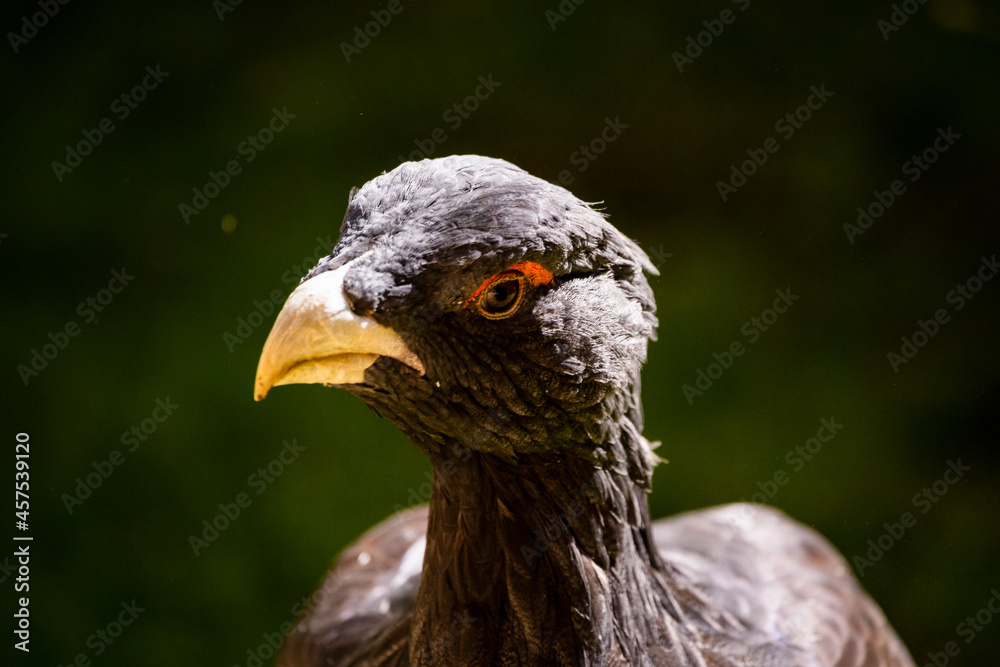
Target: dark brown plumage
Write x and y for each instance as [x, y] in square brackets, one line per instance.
[501, 324]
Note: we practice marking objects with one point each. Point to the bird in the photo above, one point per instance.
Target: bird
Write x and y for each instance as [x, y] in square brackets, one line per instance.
[501, 323]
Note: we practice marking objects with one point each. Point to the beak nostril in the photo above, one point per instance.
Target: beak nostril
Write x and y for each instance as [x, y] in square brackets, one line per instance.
[350, 302]
[362, 309]
[356, 293]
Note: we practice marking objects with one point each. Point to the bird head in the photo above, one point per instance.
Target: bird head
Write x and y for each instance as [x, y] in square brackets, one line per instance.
[476, 306]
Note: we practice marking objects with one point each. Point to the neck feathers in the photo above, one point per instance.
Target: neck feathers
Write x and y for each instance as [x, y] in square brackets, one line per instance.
[546, 561]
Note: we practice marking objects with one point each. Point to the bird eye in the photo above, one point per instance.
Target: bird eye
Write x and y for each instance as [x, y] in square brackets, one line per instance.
[501, 298]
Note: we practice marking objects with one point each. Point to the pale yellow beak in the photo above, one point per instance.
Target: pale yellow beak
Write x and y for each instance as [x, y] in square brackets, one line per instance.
[318, 339]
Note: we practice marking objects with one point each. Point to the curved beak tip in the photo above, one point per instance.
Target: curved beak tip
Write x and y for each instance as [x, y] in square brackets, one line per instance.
[317, 338]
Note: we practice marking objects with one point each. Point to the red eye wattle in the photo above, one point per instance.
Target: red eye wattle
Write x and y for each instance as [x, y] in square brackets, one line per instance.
[500, 295]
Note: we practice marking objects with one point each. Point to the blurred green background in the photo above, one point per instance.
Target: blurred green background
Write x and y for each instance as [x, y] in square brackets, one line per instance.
[560, 77]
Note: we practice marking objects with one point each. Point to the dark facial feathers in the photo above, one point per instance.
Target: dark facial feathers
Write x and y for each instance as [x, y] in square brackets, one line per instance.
[562, 372]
